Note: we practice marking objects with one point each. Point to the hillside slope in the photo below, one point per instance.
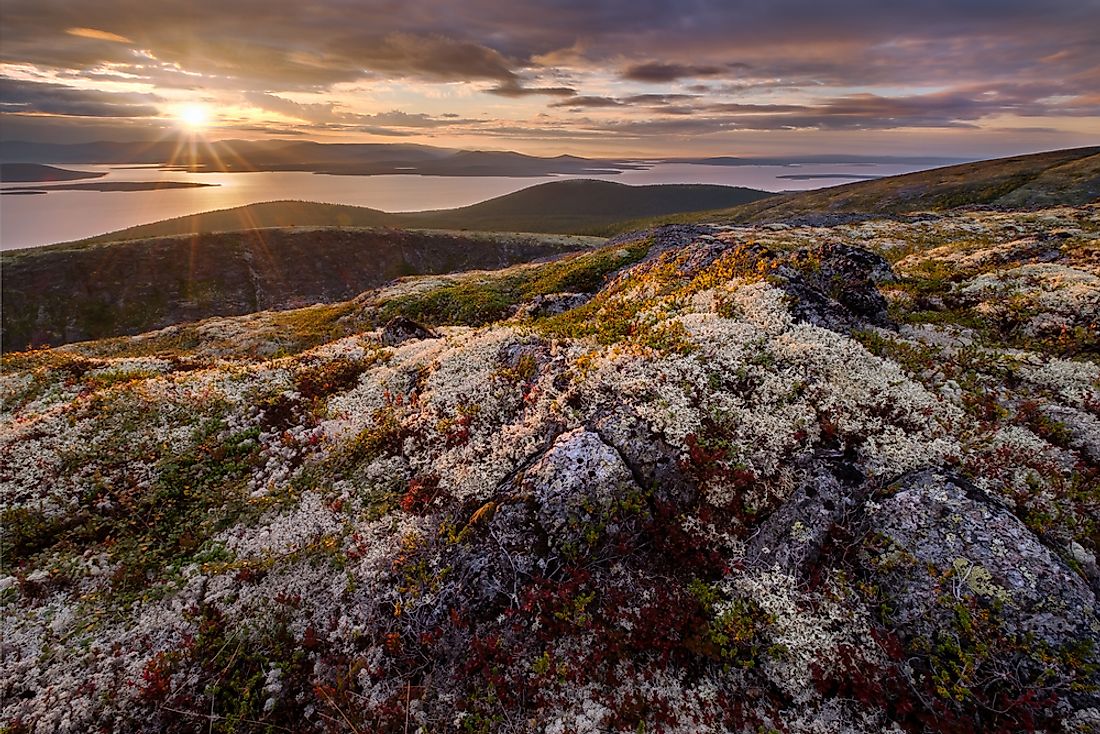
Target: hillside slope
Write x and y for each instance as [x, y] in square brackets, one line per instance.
[582, 206]
[704, 479]
[22, 172]
[566, 207]
[1042, 179]
[253, 216]
[60, 294]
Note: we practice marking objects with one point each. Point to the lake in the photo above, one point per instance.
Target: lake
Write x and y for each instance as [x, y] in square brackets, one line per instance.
[61, 216]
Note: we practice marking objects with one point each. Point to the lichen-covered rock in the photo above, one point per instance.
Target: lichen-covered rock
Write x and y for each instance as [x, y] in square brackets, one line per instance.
[967, 584]
[791, 539]
[400, 329]
[576, 484]
[834, 285]
[552, 304]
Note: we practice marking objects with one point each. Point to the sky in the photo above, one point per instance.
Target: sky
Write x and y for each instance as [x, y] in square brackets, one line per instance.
[643, 78]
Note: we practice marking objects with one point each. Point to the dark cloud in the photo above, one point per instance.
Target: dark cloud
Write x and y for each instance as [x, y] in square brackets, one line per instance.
[57, 99]
[657, 99]
[657, 72]
[828, 64]
[513, 88]
[578, 102]
[430, 57]
[662, 102]
[954, 109]
[318, 43]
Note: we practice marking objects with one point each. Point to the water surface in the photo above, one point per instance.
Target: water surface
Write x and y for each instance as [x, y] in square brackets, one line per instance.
[60, 216]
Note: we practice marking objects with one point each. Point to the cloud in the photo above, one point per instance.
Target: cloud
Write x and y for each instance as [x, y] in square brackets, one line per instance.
[578, 102]
[426, 56]
[657, 99]
[512, 88]
[846, 65]
[57, 99]
[97, 35]
[658, 72]
[328, 117]
[662, 102]
[315, 112]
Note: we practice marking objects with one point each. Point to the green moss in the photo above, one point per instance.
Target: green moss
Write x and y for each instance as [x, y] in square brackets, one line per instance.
[478, 300]
[196, 495]
[315, 324]
[231, 663]
[26, 532]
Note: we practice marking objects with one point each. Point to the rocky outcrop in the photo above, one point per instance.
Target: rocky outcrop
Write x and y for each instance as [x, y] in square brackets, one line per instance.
[695, 481]
[576, 484]
[791, 539]
[400, 330]
[834, 285]
[958, 568]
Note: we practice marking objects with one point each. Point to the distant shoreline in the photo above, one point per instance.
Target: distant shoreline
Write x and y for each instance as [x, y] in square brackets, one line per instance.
[108, 186]
[38, 173]
[816, 176]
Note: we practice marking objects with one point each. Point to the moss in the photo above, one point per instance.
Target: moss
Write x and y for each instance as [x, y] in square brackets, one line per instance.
[468, 303]
[334, 376]
[315, 324]
[152, 532]
[914, 358]
[26, 532]
[478, 300]
[231, 664]
[196, 495]
[111, 378]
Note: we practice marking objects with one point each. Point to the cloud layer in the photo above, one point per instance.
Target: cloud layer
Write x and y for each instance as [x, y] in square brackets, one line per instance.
[648, 69]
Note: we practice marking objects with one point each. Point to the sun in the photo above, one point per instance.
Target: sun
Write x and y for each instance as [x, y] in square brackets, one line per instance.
[194, 116]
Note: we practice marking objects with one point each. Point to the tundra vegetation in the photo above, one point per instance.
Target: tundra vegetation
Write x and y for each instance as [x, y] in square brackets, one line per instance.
[738, 478]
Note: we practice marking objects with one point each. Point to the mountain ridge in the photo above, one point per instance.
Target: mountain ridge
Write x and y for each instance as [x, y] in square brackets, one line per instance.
[571, 206]
[991, 182]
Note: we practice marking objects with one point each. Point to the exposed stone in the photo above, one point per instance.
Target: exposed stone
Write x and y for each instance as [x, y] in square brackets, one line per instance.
[946, 543]
[575, 484]
[400, 330]
[834, 286]
[552, 304]
[791, 539]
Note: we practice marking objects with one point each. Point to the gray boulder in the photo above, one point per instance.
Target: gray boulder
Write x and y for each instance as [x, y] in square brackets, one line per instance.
[958, 569]
[576, 484]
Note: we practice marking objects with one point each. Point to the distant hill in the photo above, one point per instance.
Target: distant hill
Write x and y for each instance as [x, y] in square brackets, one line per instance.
[60, 294]
[582, 206]
[1057, 177]
[253, 216]
[564, 207]
[26, 172]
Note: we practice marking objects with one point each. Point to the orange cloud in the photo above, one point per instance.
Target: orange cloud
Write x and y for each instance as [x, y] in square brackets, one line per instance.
[97, 35]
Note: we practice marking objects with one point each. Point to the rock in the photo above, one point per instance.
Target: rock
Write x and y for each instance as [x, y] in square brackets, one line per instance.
[553, 304]
[834, 286]
[401, 329]
[792, 537]
[651, 460]
[944, 547]
[575, 484]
